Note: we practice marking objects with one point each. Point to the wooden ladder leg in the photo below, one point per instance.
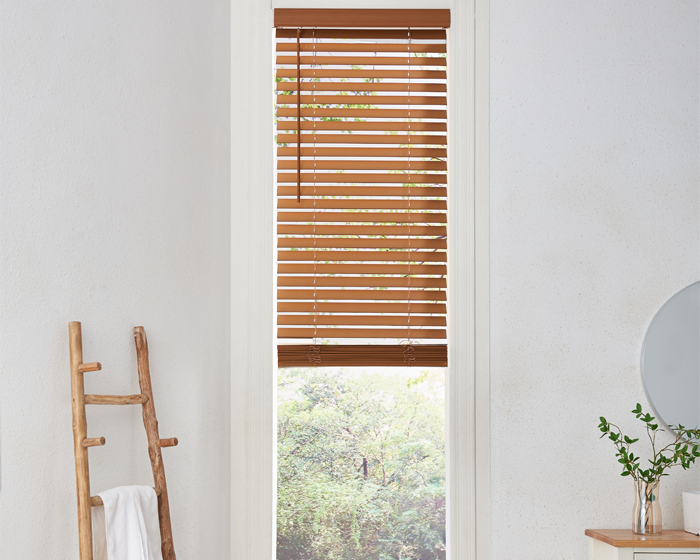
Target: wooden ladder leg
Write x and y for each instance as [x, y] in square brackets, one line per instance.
[82, 474]
[154, 443]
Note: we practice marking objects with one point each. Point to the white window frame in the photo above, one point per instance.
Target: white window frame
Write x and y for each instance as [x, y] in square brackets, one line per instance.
[253, 363]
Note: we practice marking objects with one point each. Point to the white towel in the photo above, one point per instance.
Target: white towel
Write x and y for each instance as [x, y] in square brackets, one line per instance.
[126, 527]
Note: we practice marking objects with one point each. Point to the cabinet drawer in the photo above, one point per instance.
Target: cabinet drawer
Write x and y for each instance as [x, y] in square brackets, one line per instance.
[667, 556]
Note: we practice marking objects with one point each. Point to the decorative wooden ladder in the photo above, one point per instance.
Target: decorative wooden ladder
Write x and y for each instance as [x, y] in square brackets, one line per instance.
[82, 442]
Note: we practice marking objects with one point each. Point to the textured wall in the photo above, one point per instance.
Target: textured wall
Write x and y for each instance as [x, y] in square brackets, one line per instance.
[595, 224]
[114, 210]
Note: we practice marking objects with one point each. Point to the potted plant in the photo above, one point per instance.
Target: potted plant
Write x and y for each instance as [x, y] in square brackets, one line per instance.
[683, 451]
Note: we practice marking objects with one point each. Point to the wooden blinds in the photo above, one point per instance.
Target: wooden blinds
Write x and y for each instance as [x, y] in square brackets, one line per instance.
[361, 195]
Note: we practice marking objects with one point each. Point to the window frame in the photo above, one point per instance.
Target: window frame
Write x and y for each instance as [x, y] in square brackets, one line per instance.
[253, 343]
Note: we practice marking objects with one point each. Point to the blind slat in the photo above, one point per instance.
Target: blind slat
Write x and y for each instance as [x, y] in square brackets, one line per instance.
[362, 333]
[364, 243]
[365, 165]
[416, 34]
[365, 282]
[416, 152]
[372, 268]
[364, 217]
[383, 295]
[340, 99]
[365, 113]
[415, 139]
[363, 73]
[391, 126]
[362, 256]
[359, 307]
[361, 86]
[327, 47]
[363, 204]
[406, 177]
[418, 61]
[361, 320]
[353, 190]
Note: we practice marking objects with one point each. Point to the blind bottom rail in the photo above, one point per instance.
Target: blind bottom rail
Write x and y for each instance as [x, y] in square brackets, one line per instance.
[374, 355]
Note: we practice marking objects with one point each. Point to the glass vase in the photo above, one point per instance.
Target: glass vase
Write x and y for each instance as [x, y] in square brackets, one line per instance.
[646, 516]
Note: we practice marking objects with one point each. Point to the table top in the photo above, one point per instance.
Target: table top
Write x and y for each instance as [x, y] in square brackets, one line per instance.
[625, 538]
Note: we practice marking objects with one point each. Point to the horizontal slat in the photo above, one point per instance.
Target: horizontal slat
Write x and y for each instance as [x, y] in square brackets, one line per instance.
[362, 256]
[319, 60]
[356, 47]
[416, 34]
[365, 355]
[365, 217]
[368, 113]
[361, 282]
[418, 178]
[318, 138]
[346, 151]
[363, 204]
[363, 73]
[337, 46]
[362, 320]
[388, 126]
[361, 307]
[365, 165]
[379, 295]
[360, 243]
[324, 190]
[335, 229]
[417, 334]
[373, 268]
[339, 99]
[360, 86]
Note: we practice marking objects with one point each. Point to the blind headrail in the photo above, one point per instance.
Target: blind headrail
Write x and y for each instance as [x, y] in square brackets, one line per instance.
[340, 18]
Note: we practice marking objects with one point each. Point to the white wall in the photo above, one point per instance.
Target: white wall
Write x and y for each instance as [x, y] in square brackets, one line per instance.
[594, 225]
[114, 210]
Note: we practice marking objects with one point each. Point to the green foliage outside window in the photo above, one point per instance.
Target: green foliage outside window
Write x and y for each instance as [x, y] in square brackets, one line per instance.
[361, 465]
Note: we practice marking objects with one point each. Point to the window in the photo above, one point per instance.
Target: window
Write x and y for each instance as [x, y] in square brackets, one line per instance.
[254, 331]
[361, 463]
[361, 123]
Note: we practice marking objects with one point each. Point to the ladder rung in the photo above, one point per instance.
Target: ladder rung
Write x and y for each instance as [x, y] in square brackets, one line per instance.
[93, 366]
[97, 501]
[93, 441]
[115, 399]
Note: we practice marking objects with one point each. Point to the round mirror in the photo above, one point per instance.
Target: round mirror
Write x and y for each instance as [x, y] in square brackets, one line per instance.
[671, 359]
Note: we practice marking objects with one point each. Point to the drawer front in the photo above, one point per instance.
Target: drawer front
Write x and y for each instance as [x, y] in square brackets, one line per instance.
[667, 556]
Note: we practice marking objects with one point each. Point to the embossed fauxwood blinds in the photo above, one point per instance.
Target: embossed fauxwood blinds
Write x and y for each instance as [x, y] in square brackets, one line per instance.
[361, 187]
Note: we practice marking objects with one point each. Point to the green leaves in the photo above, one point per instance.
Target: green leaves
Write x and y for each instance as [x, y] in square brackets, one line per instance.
[685, 447]
[361, 465]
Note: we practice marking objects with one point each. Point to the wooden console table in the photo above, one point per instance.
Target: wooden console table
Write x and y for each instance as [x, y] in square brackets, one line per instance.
[623, 544]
